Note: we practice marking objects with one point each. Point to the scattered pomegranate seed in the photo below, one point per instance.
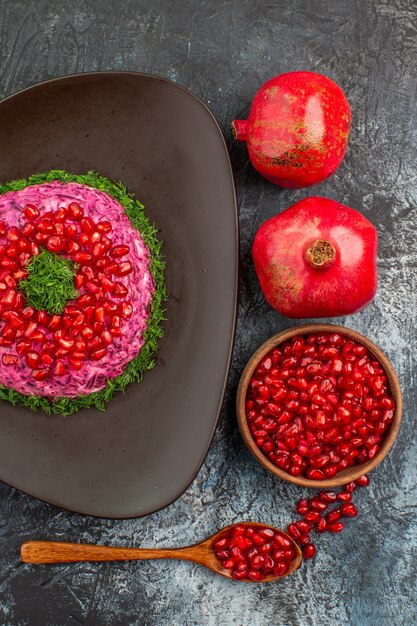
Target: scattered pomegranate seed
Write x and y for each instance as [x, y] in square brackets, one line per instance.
[309, 551]
[336, 527]
[363, 481]
[349, 510]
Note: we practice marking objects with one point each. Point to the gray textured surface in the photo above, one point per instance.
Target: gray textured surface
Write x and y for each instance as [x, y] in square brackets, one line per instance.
[223, 51]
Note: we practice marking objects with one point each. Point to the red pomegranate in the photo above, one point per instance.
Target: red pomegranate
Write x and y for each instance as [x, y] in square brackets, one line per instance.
[317, 259]
[297, 130]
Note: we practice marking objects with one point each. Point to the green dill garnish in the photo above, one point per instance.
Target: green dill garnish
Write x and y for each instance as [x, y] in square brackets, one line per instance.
[50, 283]
[145, 360]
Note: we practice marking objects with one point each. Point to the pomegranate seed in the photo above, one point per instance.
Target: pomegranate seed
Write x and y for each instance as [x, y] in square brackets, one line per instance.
[126, 309]
[99, 354]
[87, 225]
[302, 506]
[237, 553]
[318, 504]
[79, 280]
[23, 346]
[98, 250]
[72, 247]
[220, 543]
[42, 318]
[41, 374]
[30, 329]
[8, 332]
[112, 268]
[46, 358]
[28, 229]
[13, 318]
[257, 562]
[55, 322]
[74, 211]
[309, 551]
[42, 238]
[84, 301]
[333, 516]
[115, 321]
[125, 268]
[32, 359]
[13, 250]
[76, 365]
[66, 343]
[344, 496]
[321, 525]
[9, 359]
[45, 226]
[337, 527]
[9, 264]
[314, 474]
[312, 516]
[280, 569]
[293, 531]
[13, 233]
[121, 250]
[349, 510]
[104, 227]
[350, 487]
[255, 575]
[82, 257]
[303, 527]
[328, 496]
[258, 540]
[108, 285]
[10, 282]
[363, 481]
[61, 214]
[95, 237]
[55, 244]
[31, 212]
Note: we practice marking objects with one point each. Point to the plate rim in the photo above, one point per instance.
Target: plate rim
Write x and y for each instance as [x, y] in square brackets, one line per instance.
[126, 73]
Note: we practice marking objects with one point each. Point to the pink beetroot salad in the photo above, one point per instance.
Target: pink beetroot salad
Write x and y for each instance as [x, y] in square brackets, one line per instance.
[93, 373]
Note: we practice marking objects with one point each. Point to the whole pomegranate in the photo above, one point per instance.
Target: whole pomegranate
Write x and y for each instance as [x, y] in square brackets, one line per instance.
[317, 259]
[297, 130]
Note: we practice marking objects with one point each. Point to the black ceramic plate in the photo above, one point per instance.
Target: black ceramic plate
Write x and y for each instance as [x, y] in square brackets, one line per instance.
[163, 143]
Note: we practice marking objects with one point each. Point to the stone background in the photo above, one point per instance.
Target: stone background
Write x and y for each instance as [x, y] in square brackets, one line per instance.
[223, 51]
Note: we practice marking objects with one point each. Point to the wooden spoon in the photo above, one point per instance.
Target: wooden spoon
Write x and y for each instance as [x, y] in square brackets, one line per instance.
[201, 553]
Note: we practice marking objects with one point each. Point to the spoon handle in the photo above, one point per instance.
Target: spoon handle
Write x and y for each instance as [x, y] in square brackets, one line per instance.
[61, 552]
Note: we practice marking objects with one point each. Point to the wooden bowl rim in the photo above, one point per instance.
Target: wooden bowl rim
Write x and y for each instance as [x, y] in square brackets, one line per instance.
[351, 473]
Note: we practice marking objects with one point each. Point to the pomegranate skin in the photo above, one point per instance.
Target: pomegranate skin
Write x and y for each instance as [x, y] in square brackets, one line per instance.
[317, 259]
[297, 130]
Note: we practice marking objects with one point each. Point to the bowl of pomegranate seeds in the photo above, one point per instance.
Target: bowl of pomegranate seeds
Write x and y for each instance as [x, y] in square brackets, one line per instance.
[319, 405]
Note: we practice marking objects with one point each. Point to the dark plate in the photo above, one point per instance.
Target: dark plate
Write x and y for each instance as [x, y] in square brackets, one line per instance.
[163, 143]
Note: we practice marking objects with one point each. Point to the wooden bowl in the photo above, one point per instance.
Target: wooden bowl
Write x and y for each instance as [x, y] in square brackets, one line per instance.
[351, 473]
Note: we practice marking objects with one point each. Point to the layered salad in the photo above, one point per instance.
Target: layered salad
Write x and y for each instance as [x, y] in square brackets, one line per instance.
[81, 291]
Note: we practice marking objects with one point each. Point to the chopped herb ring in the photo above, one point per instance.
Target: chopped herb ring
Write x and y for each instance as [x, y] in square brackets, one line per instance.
[50, 283]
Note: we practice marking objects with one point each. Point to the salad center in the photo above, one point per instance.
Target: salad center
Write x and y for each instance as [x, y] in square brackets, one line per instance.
[50, 282]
